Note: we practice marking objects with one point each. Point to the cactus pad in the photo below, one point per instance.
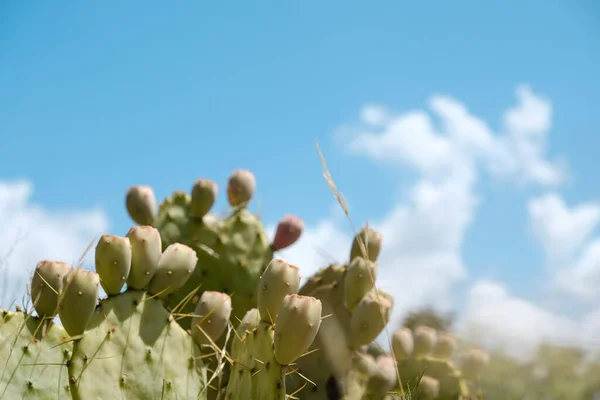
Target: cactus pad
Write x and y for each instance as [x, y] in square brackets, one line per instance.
[133, 348]
[33, 358]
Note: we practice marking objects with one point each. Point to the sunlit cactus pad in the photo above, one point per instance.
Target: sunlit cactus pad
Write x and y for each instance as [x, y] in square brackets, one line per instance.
[33, 358]
[133, 348]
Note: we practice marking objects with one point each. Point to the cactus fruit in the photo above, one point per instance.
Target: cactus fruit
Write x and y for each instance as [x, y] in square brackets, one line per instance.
[146, 248]
[33, 356]
[278, 280]
[232, 253]
[46, 284]
[298, 322]
[211, 317]
[204, 195]
[113, 262]
[359, 280]
[425, 339]
[379, 375]
[288, 232]
[370, 317]
[429, 388]
[402, 343]
[141, 204]
[78, 300]
[366, 244]
[474, 363]
[445, 346]
[174, 268]
[241, 187]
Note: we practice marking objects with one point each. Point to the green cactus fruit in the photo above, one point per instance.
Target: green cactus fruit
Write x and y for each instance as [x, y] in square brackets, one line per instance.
[174, 268]
[385, 377]
[279, 280]
[133, 349]
[429, 388]
[241, 187]
[424, 340]
[474, 363]
[298, 322]
[204, 195]
[446, 343]
[359, 280]
[78, 300]
[113, 262]
[369, 240]
[46, 285]
[141, 204]
[33, 356]
[146, 249]
[210, 317]
[370, 317]
[402, 343]
[379, 375]
[248, 324]
[288, 232]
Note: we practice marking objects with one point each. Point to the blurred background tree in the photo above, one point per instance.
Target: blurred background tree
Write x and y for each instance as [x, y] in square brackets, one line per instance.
[429, 317]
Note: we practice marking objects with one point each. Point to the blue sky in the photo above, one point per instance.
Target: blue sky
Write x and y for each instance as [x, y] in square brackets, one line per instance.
[97, 97]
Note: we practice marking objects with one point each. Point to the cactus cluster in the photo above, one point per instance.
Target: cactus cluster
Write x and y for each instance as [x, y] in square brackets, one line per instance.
[271, 337]
[128, 345]
[424, 359]
[232, 252]
[357, 312]
[174, 285]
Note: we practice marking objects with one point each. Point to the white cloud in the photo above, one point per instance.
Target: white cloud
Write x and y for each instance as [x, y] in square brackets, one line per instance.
[517, 152]
[374, 115]
[582, 277]
[565, 234]
[501, 320]
[560, 230]
[31, 233]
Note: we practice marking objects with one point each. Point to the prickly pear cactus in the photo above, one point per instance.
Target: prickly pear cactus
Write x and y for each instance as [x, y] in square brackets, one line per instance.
[271, 337]
[33, 356]
[232, 253]
[356, 312]
[424, 360]
[128, 345]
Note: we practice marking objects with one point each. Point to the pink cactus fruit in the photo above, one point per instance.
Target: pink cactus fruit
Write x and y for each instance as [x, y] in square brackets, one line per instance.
[288, 232]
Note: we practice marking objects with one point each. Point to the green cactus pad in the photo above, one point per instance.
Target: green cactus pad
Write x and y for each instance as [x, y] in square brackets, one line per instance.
[269, 376]
[232, 253]
[33, 358]
[256, 371]
[452, 387]
[133, 349]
